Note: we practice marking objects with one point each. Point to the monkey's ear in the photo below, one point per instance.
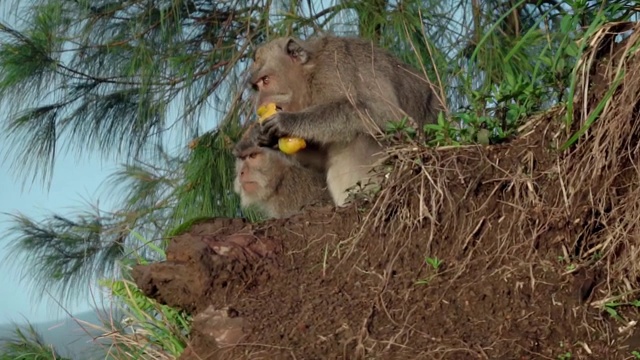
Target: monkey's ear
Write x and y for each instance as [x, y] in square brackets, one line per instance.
[295, 49]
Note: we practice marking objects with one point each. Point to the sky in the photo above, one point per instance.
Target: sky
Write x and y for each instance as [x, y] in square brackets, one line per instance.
[75, 185]
[75, 182]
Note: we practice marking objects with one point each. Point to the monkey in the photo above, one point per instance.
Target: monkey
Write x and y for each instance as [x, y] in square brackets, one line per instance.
[275, 183]
[338, 93]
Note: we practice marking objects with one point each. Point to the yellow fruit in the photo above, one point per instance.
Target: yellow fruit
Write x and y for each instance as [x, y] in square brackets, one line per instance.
[287, 145]
[290, 145]
[265, 111]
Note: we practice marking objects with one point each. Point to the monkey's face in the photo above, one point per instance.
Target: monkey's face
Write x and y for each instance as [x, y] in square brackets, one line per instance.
[278, 76]
[252, 182]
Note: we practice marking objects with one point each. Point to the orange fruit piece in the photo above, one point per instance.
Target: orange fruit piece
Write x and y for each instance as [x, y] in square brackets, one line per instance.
[287, 145]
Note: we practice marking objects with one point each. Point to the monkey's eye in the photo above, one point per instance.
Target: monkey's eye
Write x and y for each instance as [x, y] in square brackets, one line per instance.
[263, 81]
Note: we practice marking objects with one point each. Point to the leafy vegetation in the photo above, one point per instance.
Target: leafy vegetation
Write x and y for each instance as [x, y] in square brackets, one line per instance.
[147, 330]
[159, 86]
[433, 266]
[26, 344]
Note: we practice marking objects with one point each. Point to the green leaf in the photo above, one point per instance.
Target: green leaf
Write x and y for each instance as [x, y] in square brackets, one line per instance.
[572, 49]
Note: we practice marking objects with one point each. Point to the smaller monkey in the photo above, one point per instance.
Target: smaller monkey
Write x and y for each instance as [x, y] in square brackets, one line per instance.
[275, 183]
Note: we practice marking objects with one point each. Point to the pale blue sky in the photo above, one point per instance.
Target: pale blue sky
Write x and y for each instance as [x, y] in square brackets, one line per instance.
[75, 182]
[76, 185]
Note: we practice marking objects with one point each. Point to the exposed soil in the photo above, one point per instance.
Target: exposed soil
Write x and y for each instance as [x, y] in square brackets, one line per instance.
[532, 243]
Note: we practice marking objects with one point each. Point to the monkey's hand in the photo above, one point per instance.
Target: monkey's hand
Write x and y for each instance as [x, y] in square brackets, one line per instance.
[273, 128]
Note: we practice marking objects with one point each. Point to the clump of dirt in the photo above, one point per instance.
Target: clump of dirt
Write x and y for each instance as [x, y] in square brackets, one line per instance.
[500, 252]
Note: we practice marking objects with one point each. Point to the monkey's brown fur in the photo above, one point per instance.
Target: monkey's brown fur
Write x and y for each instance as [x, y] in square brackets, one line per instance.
[337, 93]
[274, 182]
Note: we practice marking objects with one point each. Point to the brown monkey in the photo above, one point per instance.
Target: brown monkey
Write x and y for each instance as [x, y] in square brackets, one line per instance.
[337, 92]
[274, 182]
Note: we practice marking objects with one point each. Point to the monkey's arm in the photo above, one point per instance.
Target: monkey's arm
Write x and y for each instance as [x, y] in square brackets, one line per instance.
[337, 121]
